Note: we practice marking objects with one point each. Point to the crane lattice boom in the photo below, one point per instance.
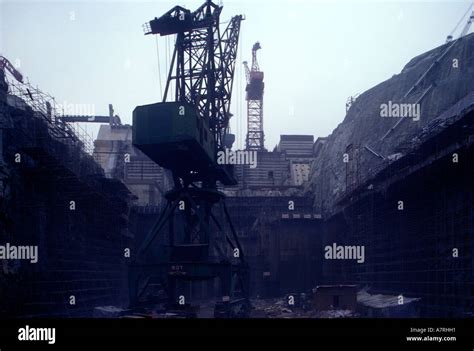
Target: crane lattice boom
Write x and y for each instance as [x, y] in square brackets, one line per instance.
[255, 87]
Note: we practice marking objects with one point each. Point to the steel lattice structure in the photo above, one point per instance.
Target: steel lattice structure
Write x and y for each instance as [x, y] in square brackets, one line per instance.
[194, 238]
[255, 136]
[203, 63]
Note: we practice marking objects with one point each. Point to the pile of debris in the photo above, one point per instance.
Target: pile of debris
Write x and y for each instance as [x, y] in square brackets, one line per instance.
[336, 314]
[297, 306]
[277, 308]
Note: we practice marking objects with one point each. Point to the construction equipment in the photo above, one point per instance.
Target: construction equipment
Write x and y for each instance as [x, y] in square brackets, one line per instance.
[255, 86]
[5, 64]
[468, 25]
[350, 101]
[113, 120]
[185, 136]
[465, 30]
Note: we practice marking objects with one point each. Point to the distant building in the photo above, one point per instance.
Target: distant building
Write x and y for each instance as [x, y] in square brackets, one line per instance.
[287, 166]
[114, 151]
[299, 152]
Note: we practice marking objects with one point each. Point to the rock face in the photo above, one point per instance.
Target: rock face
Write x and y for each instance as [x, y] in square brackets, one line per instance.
[435, 80]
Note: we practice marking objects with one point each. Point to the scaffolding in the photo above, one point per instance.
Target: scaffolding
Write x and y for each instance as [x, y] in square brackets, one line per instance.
[58, 198]
[44, 107]
[424, 248]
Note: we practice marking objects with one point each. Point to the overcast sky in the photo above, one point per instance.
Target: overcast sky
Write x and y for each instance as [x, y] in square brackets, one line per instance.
[315, 54]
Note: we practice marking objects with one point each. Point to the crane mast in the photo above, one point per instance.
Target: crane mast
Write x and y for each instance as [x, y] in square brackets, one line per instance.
[255, 86]
[192, 241]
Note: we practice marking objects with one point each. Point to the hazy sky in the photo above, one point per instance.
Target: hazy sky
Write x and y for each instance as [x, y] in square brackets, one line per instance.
[315, 54]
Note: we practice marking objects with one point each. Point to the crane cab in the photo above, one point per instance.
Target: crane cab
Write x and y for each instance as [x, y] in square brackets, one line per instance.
[173, 135]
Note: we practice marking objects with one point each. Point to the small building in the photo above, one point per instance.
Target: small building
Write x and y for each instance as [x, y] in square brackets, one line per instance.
[298, 150]
[335, 297]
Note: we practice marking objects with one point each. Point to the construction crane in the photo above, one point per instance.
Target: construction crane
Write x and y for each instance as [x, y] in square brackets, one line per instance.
[5, 64]
[190, 241]
[255, 86]
[468, 25]
[112, 119]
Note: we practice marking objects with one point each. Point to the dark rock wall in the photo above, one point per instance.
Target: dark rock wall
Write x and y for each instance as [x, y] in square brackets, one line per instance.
[363, 125]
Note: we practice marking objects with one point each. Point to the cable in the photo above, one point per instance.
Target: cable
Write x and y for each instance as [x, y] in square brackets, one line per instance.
[167, 63]
[166, 60]
[460, 21]
[240, 118]
[159, 69]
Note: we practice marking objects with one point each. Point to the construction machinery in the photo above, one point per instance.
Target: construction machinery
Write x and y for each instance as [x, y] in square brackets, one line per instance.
[112, 119]
[7, 65]
[193, 240]
[255, 86]
[468, 24]
[466, 27]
